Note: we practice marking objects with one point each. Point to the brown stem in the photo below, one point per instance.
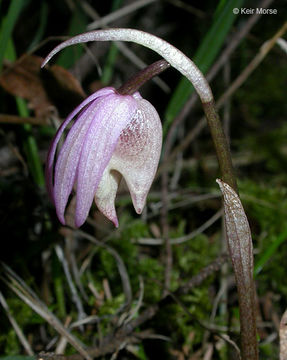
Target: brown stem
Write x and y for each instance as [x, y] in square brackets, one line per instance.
[135, 82]
[247, 311]
[220, 144]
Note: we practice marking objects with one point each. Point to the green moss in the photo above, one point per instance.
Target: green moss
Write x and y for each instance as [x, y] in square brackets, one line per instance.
[266, 207]
[10, 342]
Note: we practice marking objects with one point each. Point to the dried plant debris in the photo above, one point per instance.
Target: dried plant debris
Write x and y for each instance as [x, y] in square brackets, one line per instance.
[42, 89]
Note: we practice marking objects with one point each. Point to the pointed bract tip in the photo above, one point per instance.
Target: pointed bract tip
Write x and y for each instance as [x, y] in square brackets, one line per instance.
[138, 202]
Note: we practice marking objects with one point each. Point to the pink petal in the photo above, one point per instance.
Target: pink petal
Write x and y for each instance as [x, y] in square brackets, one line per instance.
[52, 150]
[99, 144]
[137, 154]
[68, 160]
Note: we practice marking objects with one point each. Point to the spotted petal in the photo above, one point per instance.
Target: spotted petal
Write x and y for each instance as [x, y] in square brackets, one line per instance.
[135, 157]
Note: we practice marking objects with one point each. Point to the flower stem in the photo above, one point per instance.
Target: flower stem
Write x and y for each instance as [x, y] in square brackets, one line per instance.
[220, 144]
[135, 82]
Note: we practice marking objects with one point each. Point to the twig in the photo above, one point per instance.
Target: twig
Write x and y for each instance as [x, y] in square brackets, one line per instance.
[177, 168]
[70, 248]
[283, 44]
[189, 8]
[204, 325]
[266, 47]
[186, 201]
[202, 275]
[232, 45]
[107, 289]
[14, 119]
[129, 54]
[110, 343]
[168, 256]
[75, 297]
[227, 105]
[164, 223]
[121, 266]
[105, 20]
[231, 342]
[182, 239]
[61, 346]
[240, 33]
[138, 305]
[263, 51]
[16, 284]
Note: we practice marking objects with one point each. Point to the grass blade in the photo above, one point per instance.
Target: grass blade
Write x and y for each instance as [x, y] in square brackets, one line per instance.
[269, 252]
[8, 26]
[29, 144]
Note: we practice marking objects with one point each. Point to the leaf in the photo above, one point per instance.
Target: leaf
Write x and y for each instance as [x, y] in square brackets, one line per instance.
[22, 79]
[241, 253]
[238, 233]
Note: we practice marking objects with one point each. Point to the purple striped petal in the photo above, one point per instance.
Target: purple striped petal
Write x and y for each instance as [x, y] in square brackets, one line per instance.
[99, 144]
[52, 150]
[68, 160]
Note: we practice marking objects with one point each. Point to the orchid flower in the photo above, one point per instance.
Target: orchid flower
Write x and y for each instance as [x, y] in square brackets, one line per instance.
[113, 136]
[117, 134]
